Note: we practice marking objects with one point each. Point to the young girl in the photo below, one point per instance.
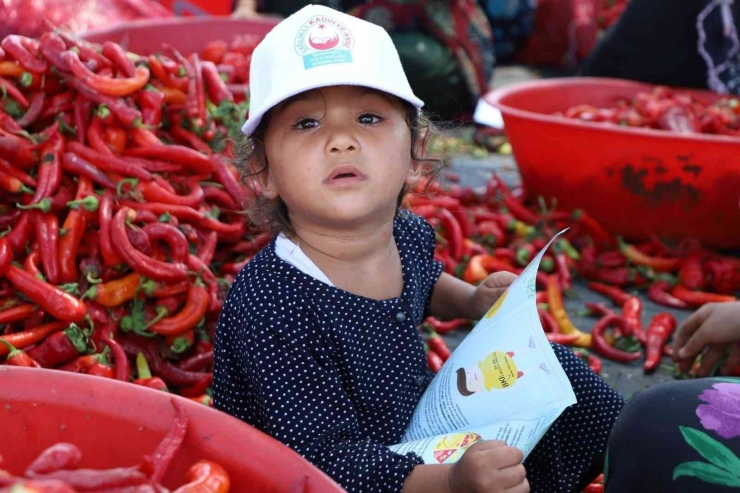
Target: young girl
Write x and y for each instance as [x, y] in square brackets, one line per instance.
[317, 343]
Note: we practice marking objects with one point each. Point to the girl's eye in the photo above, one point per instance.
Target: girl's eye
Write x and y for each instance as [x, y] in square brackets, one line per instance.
[370, 119]
[306, 124]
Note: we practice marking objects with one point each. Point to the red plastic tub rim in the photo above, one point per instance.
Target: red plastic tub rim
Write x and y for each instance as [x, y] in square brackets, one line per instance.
[499, 99]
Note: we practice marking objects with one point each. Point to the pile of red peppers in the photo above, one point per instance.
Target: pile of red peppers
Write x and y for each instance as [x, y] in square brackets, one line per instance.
[667, 109]
[496, 231]
[120, 223]
[56, 470]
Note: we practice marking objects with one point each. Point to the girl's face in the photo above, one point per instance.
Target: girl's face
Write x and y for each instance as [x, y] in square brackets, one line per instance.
[339, 156]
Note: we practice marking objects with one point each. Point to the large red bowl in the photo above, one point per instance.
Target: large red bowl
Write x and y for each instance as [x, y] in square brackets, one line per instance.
[115, 424]
[187, 34]
[635, 181]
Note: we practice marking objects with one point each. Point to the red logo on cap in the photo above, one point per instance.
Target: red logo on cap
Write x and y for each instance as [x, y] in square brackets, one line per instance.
[323, 37]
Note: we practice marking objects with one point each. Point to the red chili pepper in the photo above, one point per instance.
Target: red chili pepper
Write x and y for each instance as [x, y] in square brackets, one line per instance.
[60, 347]
[96, 138]
[658, 264]
[147, 266]
[116, 139]
[107, 85]
[699, 298]
[198, 362]
[659, 293]
[618, 296]
[439, 346]
[47, 234]
[594, 488]
[659, 331]
[82, 109]
[611, 259]
[123, 370]
[13, 185]
[175, 239]
[17, 150]
[194, 310]
[126, 114]
[194, 160]
[206, 476]
[207, 248]
[50, 170]
[516, 208]
[18, 357]
[562, 339]
[632, 313]
[34, 109]
[32, 336]
[154, 192]
[167, 449]
[53, 300]
[20, 233]
[441, 327]
[74, 164]
[549, 324]
[75, 225]
[55, 458]
[225, 177]
[189, 138]
[434, 361]
[16, 313]
[691, 274]
[119, 57]
[217, 90]
[25, 51]
[97, 480]
[597, 231]
[200, 95]
[110, 163]
[91, 364]
[179, 83]
[181, 212]
[151, 100]
[454, 233]
[105, 215]
[598, 309]
[25, 178]
[15, 93]
[199, 388]
[603, 348]
[59, 104]
[563, 268]
[219, 197]
[621, 276]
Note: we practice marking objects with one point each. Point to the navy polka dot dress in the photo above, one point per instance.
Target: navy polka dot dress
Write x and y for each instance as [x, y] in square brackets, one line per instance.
[337, 376]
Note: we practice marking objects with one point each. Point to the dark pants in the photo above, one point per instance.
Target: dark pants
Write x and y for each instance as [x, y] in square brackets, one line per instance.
[677, 437]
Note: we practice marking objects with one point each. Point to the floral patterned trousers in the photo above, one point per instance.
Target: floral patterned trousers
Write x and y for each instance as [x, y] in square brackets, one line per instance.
[681, 436]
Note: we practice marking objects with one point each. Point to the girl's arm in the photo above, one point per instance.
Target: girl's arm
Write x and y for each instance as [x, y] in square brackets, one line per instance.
[453, 298]
[245, 9]
[428, 479]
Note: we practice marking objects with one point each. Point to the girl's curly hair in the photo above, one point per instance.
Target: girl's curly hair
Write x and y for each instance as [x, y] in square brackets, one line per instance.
[271, 215]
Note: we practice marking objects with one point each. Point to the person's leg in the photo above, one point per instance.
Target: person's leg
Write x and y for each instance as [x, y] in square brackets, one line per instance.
[677, 437]
[571, 453]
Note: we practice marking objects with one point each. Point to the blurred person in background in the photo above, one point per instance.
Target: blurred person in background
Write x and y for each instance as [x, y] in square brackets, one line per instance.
[689, 43]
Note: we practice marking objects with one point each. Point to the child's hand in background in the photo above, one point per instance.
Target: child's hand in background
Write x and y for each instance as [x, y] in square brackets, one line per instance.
[490, 290]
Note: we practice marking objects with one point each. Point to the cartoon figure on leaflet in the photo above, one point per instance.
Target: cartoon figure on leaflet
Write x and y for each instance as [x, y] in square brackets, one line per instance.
[497, 371]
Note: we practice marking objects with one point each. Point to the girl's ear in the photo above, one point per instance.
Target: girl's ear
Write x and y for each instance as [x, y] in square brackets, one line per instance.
[267, 184]
[416, 164]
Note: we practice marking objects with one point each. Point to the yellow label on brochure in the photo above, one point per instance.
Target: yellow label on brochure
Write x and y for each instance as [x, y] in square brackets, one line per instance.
[497, 305]
[453, 445]
[499, 371]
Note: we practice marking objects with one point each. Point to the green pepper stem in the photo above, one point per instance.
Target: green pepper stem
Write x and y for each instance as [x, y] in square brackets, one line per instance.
[44, 205]
[89, 203]
[13, 349]
[142, 367]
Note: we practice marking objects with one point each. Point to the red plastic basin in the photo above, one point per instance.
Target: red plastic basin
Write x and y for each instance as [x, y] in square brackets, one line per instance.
[635, 181]
[116, 424]
[187, 34]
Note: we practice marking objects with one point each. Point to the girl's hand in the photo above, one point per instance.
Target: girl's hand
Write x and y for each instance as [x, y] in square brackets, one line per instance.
[490, 290]
[714, 326]
[489, 466]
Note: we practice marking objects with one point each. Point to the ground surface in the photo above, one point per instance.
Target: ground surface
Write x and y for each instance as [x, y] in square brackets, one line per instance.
[476, 172]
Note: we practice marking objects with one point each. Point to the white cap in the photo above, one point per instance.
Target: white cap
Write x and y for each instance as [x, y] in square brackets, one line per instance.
[319, 47]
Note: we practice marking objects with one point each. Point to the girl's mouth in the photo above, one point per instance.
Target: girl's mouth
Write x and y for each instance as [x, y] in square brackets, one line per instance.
[345, 175]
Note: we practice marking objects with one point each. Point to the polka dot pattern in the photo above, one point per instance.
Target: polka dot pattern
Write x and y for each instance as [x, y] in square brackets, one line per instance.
[333, 375]
[574, 445]
[337, 376]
